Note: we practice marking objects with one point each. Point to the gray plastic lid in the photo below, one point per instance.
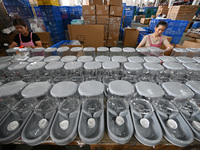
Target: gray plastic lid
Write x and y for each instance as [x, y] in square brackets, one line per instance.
[54, 65]
[6, 58]
[68, 58]
[110, 65]
[192, 66]
[38, 49]
[121, 88]
[35, 65]
[4, 65]
[197, 59]
[119, 59]
[173, 66]
[116, 49]
[25, 49]
[177, 90]
[91, 88]
[193, 49]
[182, 50]
[102, 58]
[85, 59]
[194, 85]
[102, 49]
[52, 58]
[152, 59]
[35, 89]
[63, 49]
[20, 59]
[11, 50]
[73, 65]
[184, 59]
[136, 59]
[148, 89]
[142, 49]
[154, 49]
[89, 49]
[11, 88]
[64, 89]
[50, 49]
[153, 66]
[128, 49]
[133, 66]
[76, 49]
[17, 66]
[92, 65]
[36, 59]
[168, 59]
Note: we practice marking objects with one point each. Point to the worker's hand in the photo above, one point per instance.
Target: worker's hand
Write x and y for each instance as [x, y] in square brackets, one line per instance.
[29, 46]
[169, 48]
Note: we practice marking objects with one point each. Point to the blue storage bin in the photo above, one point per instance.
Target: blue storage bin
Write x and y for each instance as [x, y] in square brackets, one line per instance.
[176, 39]
[50, 12]
[9, 2]
[196, 24]
[128, 19]
[129, 13]
[127, 24]
[38, 12]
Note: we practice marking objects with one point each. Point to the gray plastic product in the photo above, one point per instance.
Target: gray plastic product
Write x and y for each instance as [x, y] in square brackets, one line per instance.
[153, 66]
[52, 59]
[120, 59]
[191, 114]
[65, 124]
[175, 129]
[147, 127]
[119, 123]
[152, 59]
[54, 65]
[184, 59]
[6, 58]
[84, 59]
[67, 59]
[4, 109]
[197, 59]
[136, 59]
[37, 128]
[17, 66]
[11, 126]
[102, 58]
[35, 66]
[168, 59]
[91, 122]
[36, 59]
[20, 59]
[195, 86]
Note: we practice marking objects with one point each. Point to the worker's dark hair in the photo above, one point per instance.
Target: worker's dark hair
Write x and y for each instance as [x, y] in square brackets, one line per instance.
[19, 22]
[162, 23]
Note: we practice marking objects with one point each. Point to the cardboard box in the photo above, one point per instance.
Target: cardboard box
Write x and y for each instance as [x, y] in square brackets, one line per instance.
[90, 20]
[130, 37]
[95, 2]
[111, 43]
[114, 2]
[113, 35]
[116, 11]
[162, 10]
[115, 20]
[137, 18]
[102, 19]
[45, 38]
[102, 10]
[114, 27]
[105, 32]
[195, 43]
[88, 9]
[145, 20]
[88, 35]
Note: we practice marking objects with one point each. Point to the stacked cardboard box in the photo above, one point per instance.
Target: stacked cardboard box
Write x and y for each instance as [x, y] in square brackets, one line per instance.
[137, 18]
[115, 14]
[162, 10]
[183, 12]
[108, 15]
[145, 20]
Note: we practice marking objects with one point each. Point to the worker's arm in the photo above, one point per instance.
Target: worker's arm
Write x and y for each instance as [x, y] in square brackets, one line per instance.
[143, 42]
[38, 44]
[168, 46]
[13, 44]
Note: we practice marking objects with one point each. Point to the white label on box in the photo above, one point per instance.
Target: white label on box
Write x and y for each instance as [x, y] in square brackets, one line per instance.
[112, 12]
[106, 8]
[92, 7]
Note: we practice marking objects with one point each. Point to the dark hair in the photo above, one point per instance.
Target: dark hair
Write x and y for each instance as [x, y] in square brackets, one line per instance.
[19, 22]
[162, 23]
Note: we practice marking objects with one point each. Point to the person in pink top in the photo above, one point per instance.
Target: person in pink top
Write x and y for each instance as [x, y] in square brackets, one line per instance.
[24, 38]
[156, 39]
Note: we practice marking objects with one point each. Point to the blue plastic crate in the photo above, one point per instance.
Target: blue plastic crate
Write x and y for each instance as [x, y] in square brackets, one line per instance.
[196, 24]
[176, 39]
[127, 24]
[50, 12]
[128, 19]
[9, 2]
[129, 13]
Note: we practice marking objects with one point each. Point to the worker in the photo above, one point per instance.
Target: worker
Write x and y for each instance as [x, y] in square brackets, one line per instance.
[24, 38]
[156, 39]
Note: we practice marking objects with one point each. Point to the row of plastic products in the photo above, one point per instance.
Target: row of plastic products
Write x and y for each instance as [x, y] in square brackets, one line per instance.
[147, 110]
[55, 69]
[105, 51]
